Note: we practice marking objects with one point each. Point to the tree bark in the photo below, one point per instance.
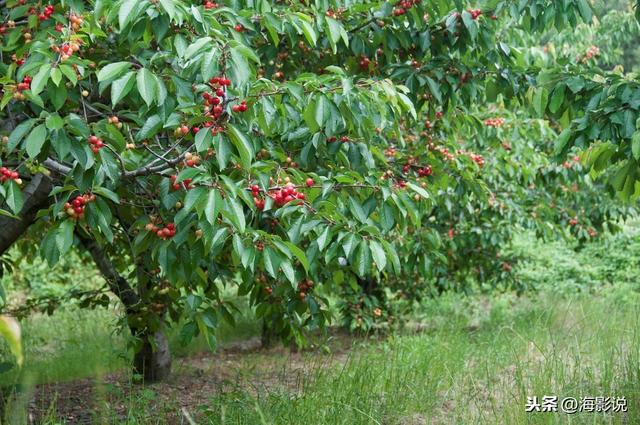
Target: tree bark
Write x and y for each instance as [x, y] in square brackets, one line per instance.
[36, 197]
[268, 336]
[152, 359]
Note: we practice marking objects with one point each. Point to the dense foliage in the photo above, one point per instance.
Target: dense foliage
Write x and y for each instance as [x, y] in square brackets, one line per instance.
[279, 146]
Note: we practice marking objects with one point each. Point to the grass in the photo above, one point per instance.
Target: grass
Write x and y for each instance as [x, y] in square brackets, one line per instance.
[477, 362]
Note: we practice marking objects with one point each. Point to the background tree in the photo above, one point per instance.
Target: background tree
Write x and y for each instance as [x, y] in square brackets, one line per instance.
[186, 146]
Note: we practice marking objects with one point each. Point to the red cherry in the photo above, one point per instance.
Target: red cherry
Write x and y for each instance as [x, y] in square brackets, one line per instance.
[309, 182]
[220, 92]
[238, 28]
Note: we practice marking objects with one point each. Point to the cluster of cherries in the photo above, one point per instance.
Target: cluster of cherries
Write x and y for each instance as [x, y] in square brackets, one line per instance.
[6, 175]
[478, 159]
[343, 139]
[335, 14]
[567, 164]
[403, 5]
[281, 196]
[475, 13]
[180, 131]
[24, 85]
[96, 144]
[76, 21]
[210, 5]
[303, 288]
[75, 208]
[494, 122]
[425, 171]
[115, 121]
[18, 61]
[164, 233]
[390, 151]
[191, 160]
[448, 156]
[242, 107]
[591, 52]
[186, 183]
[573, 221]
[46, 13]
[66, 50]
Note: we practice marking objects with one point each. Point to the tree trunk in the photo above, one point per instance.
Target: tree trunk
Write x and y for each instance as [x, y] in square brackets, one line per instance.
[268, 336]
[153, 360]
[36, 196]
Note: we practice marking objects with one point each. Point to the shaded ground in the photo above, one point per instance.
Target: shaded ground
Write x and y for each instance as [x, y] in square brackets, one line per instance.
[241, 366]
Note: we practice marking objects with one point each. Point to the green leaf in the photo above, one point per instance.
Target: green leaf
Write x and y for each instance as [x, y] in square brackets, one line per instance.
[147, 86]
[434, 88]
[125, 14]
[168, 6]
[309, 32]
[36, 140]
[196, 46]
[56, 76]
[54, 122]
[121, 87]
[112, 71]
[363, 259]
[323, 239]
[10, 332]
[106, 193]
[64, 236]
[540, 99]
[379, 255]
[242, 144]
[470, 24]
[195, 199]
[420, 191]
[41, 78]
[14, 199]
[235, 214]
[271, 261]
[152, 125]
[19, 132]
[214, 202]
[288, 271]
[635, 145]
[300, 255]
[557, 98]
[561, 141]
[247, 53]
[69, 73]
[357, 210]
[585, 10]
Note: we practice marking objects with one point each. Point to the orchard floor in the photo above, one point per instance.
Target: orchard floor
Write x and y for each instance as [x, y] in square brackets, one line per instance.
[475, 360]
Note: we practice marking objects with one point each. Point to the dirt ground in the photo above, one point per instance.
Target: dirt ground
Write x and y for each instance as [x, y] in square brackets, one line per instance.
[194, 381]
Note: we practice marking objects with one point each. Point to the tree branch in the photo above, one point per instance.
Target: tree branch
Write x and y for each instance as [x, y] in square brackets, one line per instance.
[36, 195]
[117, 284]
